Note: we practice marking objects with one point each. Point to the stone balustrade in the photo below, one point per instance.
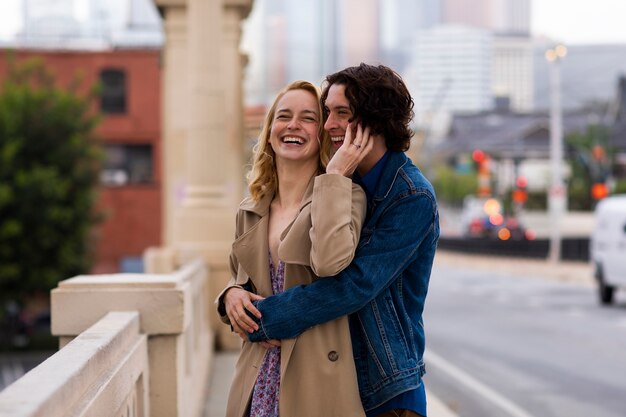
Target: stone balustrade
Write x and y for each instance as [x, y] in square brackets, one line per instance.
[131, 345]
[103, 371]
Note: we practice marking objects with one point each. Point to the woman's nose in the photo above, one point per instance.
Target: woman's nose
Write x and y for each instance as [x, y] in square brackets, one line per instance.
[293, 123]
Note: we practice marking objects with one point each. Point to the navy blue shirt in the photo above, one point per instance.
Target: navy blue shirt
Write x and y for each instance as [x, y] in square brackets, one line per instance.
[414, 400]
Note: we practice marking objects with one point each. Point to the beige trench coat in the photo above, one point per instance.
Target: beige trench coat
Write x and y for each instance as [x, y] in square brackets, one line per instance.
[318, 375]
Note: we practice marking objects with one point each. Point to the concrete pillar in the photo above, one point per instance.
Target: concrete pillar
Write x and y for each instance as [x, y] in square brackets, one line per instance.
[206, 131]
[174, 86]
[234, 12]
[234, 59]
[203, 130]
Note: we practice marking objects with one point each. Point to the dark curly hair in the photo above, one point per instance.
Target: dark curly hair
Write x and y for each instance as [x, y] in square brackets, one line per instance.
[379, 99]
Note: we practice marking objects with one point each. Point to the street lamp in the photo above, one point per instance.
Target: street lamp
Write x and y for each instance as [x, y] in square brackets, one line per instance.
[557, 194]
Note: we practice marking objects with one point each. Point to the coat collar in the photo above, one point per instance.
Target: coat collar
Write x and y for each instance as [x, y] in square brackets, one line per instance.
[262, 207]
[252, 248]
[395, 162]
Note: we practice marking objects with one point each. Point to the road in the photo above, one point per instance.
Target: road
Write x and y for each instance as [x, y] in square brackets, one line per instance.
[504, 344]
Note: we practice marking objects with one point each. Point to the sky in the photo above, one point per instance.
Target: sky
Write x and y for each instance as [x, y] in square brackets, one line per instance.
[568, 21]
[580, 21]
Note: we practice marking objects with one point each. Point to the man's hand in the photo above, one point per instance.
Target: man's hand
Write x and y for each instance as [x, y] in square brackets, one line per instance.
[236, 302]
[351, 152]
[270, 343]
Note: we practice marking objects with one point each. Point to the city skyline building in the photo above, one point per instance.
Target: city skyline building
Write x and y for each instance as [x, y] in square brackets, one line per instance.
[308, 39]
[286, 41]
[510, 74]
[88, 24]
[500, 16]
[451, 71]
[358, 35]
[400, 21]
[289, 40]
[513, 72]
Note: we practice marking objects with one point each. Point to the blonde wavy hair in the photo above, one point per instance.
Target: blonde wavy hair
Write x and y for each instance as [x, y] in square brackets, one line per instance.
[262, 178]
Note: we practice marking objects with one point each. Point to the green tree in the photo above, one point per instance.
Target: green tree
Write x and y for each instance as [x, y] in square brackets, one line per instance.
[49, 160]
[451, 186]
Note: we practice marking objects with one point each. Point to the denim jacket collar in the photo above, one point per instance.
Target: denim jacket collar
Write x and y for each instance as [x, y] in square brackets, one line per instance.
[395, 162]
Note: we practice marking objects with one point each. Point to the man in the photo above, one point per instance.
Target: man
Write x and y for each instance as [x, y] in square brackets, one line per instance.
[384, 288]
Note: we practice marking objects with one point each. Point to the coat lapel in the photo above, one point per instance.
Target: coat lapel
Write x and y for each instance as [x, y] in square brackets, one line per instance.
[251, 248]
[295, 245]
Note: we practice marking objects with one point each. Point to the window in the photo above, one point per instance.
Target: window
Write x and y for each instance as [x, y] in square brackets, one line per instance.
[113, 98]
[126, 165]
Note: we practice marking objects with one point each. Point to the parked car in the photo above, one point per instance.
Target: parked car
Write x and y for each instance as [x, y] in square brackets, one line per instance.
[608, 246]
[483, 217]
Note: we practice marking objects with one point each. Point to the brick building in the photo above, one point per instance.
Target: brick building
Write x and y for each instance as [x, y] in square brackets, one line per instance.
[130, 103]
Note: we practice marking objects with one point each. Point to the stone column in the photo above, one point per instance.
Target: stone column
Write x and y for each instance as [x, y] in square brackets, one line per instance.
[174, 86]
[204, 116]
[205, 223]
[234, 12]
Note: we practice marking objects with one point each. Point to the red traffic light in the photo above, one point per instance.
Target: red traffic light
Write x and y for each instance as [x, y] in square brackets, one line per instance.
[520, 196]
[478, 156]
[521, 182]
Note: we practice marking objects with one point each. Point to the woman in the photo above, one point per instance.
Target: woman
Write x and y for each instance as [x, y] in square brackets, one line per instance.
[297, 225]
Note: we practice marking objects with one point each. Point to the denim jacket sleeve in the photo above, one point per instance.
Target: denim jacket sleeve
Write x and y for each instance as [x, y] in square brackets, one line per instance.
[380, 258]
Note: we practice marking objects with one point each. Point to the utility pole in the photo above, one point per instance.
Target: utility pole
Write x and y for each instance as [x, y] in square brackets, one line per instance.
[557, 192]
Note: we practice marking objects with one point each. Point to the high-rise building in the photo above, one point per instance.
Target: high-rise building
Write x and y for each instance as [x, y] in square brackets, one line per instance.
[475, 13]
[499, 16]
[512, 80]
[307, 39]
[399, 23]
[512, 17]
[285, 41]
[89, 24]
[49, 18]
[509, 21]
[451, 70]
[359, 33]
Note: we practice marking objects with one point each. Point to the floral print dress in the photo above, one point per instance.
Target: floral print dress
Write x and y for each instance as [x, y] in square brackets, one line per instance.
[267, 388]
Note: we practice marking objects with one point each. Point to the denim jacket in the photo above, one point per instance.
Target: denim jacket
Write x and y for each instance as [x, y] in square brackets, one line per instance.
[383, 289]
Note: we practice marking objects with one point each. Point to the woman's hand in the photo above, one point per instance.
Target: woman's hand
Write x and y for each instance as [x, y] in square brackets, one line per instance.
[351, 152]
[236, 302]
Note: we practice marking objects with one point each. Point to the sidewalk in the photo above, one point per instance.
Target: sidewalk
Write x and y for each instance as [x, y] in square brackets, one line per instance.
[223, 365]
[566, 271]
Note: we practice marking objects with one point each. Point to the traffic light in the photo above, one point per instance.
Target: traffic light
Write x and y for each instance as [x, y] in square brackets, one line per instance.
[478, 156]
[520, 195]
[484, 175]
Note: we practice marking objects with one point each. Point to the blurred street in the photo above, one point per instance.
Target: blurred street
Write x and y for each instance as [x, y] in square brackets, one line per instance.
[510, 337]
[482, 357]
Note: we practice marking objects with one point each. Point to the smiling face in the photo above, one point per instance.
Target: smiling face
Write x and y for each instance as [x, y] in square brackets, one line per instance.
[295, 127]
[339, 114]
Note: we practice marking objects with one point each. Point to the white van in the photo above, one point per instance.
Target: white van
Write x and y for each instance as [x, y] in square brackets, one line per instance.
[608, 246]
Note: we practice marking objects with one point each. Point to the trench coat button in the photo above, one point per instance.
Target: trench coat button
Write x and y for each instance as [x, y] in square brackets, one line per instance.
[333, 356]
